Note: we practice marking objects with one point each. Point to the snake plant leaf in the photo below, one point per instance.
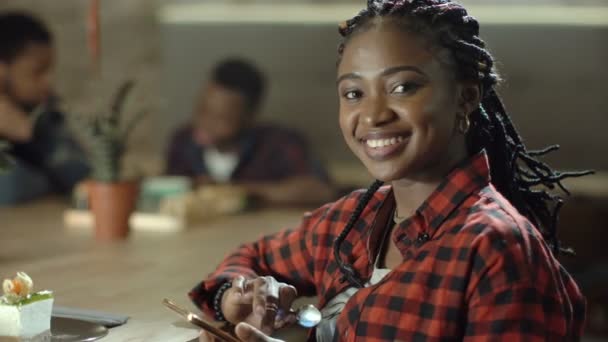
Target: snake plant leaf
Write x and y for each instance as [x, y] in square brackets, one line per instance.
[132, 123]
[119, 101]
[106, 137]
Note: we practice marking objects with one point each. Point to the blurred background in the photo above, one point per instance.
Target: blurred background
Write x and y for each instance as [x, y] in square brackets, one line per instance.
[551, 53]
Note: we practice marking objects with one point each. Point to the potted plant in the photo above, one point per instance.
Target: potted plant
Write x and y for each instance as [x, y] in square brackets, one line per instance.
[112, 199]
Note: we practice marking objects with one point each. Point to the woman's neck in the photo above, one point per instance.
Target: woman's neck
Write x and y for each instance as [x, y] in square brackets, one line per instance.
[410, 192]
[409, 195]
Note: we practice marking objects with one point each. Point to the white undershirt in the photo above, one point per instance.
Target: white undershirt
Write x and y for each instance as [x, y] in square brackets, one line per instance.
[220, 165]
[327, 327]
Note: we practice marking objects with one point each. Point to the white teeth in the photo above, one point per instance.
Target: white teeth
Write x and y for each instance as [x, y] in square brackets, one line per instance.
[376, 143]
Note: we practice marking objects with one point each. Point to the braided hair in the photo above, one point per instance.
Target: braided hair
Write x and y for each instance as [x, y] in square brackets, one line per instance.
[516, 172]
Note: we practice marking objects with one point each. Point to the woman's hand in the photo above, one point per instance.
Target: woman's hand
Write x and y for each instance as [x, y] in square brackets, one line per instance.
[262, 302]
[244, 332]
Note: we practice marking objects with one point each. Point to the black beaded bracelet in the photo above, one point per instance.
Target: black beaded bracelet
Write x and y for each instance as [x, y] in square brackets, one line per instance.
[217, 301]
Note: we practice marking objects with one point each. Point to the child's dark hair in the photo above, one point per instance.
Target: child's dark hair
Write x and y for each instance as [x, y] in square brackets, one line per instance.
[17, 29]
[516, 172]
[241, 76]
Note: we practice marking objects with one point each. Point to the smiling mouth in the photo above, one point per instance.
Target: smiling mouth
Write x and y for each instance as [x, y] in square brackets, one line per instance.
[384, 147]
[379, 143]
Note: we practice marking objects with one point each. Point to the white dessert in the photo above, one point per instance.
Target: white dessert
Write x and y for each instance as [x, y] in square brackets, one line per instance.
[24, 315]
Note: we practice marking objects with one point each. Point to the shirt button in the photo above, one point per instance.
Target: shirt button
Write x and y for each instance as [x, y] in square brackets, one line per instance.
[423, 237]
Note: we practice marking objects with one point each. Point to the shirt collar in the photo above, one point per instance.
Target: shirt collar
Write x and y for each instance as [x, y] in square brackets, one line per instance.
[468, 177]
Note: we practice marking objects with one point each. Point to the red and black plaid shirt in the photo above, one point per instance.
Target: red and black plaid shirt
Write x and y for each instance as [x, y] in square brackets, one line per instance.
[483, 274]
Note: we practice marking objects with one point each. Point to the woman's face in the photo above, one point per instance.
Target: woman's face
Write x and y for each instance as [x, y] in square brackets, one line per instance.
[399, 105]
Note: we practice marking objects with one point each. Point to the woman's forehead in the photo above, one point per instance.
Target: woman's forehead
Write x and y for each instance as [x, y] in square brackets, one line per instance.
[383, 46]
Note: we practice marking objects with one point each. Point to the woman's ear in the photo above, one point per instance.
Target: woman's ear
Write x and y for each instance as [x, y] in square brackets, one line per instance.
[469, 97]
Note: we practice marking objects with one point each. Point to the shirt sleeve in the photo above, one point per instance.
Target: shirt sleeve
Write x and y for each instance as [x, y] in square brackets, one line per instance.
[299, 158]
[287, 256]
[54, 151]
[517, 294]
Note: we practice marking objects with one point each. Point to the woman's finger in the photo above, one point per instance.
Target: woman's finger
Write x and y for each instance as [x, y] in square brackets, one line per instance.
[238, 283]
[272, 305]
[248, 333]
[206, 337]
[287, 295]
[266, 301]
[259, 296]
[242, 293]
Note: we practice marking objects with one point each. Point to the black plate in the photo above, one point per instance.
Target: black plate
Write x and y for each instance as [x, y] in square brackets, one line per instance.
[74, 330]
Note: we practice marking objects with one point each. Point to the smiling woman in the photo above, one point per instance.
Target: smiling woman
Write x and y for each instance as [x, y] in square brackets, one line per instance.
[460, 245]
[393, 105]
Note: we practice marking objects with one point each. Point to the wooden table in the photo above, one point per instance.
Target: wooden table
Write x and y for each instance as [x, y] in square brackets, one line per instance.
[129, 277]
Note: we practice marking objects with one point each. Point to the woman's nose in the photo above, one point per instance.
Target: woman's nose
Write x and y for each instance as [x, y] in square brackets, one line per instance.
[377, 112]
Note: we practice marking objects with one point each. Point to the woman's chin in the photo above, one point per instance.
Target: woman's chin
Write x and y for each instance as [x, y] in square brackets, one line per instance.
[387, 169]
[386, 174]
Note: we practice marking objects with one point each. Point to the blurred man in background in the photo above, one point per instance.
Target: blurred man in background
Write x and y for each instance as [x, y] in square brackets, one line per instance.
[47, 159]
[223, 144]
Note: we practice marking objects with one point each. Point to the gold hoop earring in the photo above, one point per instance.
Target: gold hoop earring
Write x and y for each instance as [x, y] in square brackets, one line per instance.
[464, 124]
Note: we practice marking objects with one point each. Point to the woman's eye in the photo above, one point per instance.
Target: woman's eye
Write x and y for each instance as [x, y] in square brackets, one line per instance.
[352, 94]
[405, 88]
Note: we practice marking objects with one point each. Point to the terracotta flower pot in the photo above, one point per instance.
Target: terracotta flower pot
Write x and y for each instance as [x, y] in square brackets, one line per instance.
[112, 205]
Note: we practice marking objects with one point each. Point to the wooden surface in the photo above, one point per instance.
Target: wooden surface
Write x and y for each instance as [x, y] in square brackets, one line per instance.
[129, 277]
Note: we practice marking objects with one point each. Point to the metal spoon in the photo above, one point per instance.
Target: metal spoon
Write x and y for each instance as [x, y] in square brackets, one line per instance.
[308, 316]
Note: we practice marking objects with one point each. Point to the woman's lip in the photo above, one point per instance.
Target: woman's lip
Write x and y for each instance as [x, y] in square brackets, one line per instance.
[384, 150]
[384, 135]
